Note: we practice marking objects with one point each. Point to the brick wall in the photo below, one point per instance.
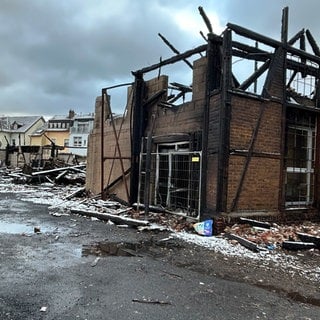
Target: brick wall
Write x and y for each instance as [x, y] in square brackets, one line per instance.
[112, 168]
[186, 118]
[262, 180]
[261, 184]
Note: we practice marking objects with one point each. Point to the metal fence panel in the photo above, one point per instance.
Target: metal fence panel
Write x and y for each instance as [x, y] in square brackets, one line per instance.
[174, 184]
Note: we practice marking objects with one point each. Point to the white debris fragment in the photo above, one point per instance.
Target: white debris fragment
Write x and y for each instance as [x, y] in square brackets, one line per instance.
[94, 263]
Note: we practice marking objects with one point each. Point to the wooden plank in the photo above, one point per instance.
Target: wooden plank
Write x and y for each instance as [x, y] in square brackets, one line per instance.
[44, 172]
[171, 60]
[107, 216]
[303, 68]
[313, 43]
[309, 238]
[296, 37]
[137, 134]
[247, 83]
[255, 223]
[297, 245]
[118, 179]
[244, 242]
[271, 42]
[174, 49]
[224, 124]
[251, 56]
[284, 25]
[75, 193]
[249, 49]
[205, 19]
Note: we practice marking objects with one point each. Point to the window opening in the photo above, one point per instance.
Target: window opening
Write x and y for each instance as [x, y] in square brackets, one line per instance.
[83, 127]
[300, 160]
[301, 85]
[77, 141]
[175, 182]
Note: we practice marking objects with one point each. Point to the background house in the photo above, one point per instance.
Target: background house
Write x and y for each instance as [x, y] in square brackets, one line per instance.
[15, 136]
[17, 130]
[58, 130]
[79, 132]
[30, 140]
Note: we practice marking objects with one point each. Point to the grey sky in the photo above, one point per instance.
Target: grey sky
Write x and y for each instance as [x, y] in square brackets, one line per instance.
[57, 55]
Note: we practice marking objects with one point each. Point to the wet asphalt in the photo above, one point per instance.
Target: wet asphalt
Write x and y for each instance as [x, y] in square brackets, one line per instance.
[79, 268]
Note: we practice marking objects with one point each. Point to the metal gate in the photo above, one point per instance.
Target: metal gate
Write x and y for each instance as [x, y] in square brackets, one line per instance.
[175, 179]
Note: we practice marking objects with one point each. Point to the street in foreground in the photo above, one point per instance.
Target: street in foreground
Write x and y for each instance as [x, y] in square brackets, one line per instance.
[71, 267]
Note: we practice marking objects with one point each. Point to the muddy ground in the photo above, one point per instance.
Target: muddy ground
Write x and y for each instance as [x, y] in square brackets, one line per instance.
[265, 275]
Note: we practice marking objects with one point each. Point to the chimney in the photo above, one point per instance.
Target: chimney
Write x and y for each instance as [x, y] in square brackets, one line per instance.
[71, 114]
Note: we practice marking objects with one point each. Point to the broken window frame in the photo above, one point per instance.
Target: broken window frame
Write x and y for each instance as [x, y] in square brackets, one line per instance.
[176, 152]
[168, 150]
[306, 170]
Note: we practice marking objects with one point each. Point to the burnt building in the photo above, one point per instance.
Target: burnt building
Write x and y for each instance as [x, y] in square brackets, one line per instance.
[240, 146]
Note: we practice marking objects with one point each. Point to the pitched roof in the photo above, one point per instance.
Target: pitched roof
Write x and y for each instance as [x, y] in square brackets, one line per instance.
[24, 123]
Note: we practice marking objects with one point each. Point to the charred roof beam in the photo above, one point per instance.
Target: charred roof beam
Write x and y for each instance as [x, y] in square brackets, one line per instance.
[296, 37]
[174, 49]
[248, 82]
[313, 43]
[272, 43]
[171, 60]
[252, 56]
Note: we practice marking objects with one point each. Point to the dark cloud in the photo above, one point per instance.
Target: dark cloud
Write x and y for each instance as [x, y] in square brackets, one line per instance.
[265, 16]
[57, 55]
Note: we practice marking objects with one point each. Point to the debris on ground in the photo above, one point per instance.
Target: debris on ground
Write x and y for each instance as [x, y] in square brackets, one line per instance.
[297, 245]
[114, 218]
[204, 228]
[73, 199]
[151, 301]
[57, 172]
[302, 236]
[246, 243]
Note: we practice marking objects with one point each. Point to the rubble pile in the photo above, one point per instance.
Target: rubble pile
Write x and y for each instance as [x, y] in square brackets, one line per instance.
[57, 173]
[173, 222]
[294, 236]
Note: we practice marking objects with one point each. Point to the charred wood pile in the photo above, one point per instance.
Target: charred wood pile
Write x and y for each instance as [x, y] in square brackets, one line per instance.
[56, 172]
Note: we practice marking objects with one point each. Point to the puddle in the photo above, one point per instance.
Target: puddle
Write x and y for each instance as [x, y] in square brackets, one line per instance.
[123, 249]
[14, 206]
[14, 228]
[127, 249]
[19, 228]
